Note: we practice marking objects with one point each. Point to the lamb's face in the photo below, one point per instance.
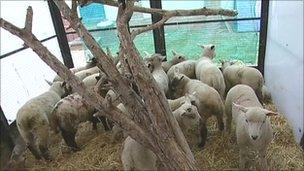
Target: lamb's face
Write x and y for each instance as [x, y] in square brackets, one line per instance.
[154, 61]
[209, 51]
[177, 58]
[190, 118]
[255, 120]
[177, 84]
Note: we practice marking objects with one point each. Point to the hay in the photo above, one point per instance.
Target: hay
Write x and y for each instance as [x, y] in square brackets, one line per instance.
[220, 152]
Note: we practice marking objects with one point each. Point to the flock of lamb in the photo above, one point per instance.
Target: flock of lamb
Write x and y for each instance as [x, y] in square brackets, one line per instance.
[196, 90]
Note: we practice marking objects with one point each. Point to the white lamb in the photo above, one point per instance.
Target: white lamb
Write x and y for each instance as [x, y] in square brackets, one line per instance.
[88, 65]
[239, 74]
[177, 58]
[253, 128]
[158, 73]
[207, 72]
[137, 157]
[33, 122]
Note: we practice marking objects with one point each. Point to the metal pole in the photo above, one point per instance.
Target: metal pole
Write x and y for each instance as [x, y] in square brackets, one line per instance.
[158, 34]
[263, 35]
[61, 35]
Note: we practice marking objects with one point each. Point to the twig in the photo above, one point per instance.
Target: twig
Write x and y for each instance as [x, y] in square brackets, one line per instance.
[150, 27]
[29, 20]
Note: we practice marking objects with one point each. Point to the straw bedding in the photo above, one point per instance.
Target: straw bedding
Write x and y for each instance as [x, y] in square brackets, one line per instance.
[220, 151]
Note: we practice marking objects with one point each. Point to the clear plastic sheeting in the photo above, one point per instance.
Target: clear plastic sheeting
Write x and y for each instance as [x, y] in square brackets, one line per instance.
[22, 78]
[15, 12]
[284, 60]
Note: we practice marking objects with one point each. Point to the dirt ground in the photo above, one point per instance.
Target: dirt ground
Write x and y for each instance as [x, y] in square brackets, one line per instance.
[220, 152]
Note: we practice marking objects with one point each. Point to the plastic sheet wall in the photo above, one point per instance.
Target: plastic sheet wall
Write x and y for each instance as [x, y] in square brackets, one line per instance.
[284, 60]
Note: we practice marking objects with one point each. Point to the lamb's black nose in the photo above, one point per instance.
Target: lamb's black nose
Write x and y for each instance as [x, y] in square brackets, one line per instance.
[254, 137]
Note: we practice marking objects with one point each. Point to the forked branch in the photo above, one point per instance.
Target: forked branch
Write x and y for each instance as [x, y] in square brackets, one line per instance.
[29, 20]
[91, 98]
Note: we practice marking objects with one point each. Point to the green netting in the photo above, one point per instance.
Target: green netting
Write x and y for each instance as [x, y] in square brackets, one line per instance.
[234, 40]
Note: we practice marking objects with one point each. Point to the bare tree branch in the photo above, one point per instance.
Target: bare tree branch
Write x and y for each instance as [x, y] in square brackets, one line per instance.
[150, 27]
[91, 98]
[29, 20]
[159, 107]
[178, 12]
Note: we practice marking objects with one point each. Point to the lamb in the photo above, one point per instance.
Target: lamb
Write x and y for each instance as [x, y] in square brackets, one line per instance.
[137, 157]
[207, 72]
[236, 74]
[89, 64]
[177, 58]
[208, 51]
[186, 67]
[208, 102]
[17, 156]
[68, 113]
[158, 73]
[253, 128]
[91, 80]
[33, 123]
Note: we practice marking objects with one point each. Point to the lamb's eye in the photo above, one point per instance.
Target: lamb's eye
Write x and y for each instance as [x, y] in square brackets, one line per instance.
[263, 121]
[246, 120]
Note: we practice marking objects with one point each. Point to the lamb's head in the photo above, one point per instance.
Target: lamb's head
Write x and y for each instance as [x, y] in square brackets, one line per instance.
[113, 97]
[254, 119]
[208, 51]
[177, 58]
[177, 84]
[61, 88]
[226, 63]
[188, 116]
[155, 61]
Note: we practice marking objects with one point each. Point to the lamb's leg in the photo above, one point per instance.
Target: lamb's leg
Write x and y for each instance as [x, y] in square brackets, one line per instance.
[220, 122]
[105, 123]
[263, 159]
[30, 142]
[203, 134]
[69, 138]
[43, 139]
[242, 158]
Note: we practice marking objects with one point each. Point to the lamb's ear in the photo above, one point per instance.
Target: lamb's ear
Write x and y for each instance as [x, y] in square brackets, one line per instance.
[212, 47]
[269, 112]
[240, 107]
[48, 82]
[202, 46]
[98, 77]
[162, 58]
[173, 52]
[63, 84]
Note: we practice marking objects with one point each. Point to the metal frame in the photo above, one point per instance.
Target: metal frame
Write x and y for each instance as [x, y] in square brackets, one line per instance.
[61, 34]
[136, 26]
[263, 34]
